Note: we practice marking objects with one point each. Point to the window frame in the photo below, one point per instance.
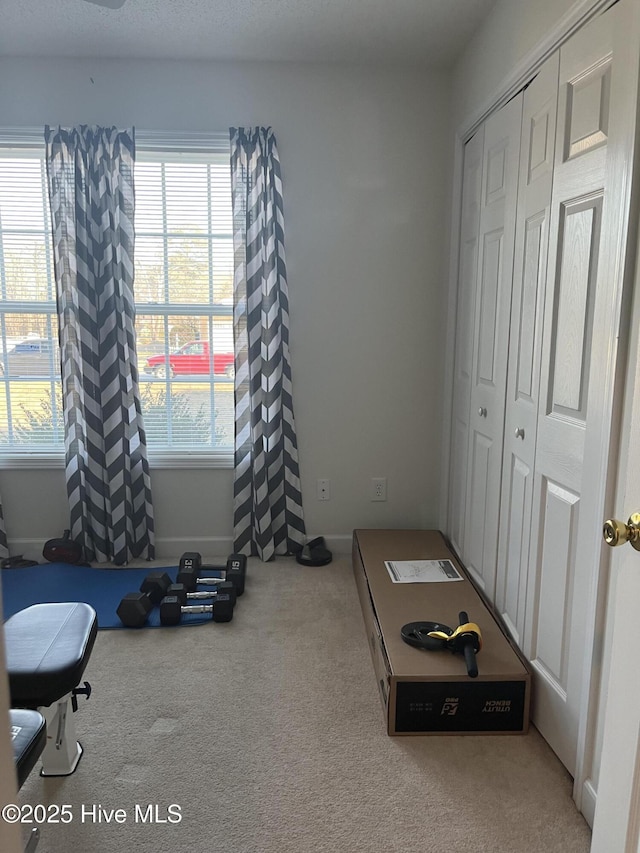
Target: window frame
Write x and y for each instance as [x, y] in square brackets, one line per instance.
[152, 145]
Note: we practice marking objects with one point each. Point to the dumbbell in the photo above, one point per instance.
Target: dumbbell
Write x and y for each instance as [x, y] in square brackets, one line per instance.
[172, 610]
[180, 591]
[191, 565]
[135, 607]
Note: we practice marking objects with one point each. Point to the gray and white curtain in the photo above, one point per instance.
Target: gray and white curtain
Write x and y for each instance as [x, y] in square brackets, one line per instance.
[4, 547]
[91, 195]
[268, 517]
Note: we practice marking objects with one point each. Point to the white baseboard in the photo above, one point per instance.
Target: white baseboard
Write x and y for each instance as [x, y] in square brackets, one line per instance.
[208, 546]
[172, 547]
[588, 804]
[219, 546]
[216, 546]
[30, 549]
[165, 547]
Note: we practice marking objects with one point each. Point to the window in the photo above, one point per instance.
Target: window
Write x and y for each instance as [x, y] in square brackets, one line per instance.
[30, 386]
[184, 305]
[184, 299]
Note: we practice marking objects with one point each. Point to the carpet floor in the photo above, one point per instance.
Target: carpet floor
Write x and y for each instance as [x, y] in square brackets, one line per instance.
[267, 735]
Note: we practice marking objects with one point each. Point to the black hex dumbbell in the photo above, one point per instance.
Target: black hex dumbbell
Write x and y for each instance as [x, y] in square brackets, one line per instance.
[191, 566]
[172, 610]
[180, 590]
[135, 607]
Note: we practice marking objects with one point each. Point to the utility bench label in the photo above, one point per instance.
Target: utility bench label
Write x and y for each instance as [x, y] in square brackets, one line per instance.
[434, 706]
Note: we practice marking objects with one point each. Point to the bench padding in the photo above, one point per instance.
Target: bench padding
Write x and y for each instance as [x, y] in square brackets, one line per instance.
[29, 737]
[48, 647]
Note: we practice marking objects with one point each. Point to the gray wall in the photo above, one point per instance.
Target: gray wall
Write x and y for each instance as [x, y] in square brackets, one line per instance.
[509, 32]
[366, 168]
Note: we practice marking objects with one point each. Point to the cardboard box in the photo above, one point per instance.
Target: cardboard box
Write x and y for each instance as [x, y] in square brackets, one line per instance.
[425, 692]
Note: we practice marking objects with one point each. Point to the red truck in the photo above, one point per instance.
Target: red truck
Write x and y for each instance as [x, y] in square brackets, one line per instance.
[193, 357]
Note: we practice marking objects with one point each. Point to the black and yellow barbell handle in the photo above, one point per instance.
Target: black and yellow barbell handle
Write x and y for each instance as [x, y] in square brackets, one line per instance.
[466, 639]
[464, 628]
[617, 532]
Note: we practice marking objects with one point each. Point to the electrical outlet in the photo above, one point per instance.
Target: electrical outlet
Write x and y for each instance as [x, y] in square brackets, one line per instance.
[378, 488]
[324, 490]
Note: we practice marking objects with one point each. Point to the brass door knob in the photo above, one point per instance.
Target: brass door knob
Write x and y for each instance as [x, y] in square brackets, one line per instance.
[617, 532]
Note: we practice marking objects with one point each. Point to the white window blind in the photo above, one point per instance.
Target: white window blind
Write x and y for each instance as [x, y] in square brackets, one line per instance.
[184, 300]
[184, 305]
[30, 386]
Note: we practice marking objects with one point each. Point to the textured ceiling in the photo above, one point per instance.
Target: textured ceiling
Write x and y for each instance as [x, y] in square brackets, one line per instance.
[428, 33]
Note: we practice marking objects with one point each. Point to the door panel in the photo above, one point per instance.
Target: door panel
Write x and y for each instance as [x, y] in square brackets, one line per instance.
[496, 172]
[588, 101]
[578, 243]
[550, 643]
[481, 457]
[517, 510]
[458, 480]
[463, 360]
[535, 241]
[523, 381]
[554, 637]
[491, 340]
[489, 287]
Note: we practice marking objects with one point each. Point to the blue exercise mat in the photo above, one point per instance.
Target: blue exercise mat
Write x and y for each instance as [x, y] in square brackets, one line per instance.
[101, 588]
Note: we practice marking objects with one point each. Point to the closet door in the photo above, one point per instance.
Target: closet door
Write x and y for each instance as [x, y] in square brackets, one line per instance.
[490, 341]
[525, 342]
[467, 274]
[578, 371]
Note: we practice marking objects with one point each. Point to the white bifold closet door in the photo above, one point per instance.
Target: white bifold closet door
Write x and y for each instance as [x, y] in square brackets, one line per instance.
[492, 309]
[523, 381]
[542, 261]
[463, 357]
[566, 516]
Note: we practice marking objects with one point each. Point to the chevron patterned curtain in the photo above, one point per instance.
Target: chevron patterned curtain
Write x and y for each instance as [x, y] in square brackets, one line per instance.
[268, 518]
[91, 195]
[4, 548]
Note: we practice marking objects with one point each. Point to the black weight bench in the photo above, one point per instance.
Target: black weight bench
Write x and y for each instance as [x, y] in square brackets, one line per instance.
[29, 738]
[48, 647]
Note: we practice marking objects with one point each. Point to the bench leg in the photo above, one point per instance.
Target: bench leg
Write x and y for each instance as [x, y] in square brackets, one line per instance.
[32, 843]
[62, 752]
